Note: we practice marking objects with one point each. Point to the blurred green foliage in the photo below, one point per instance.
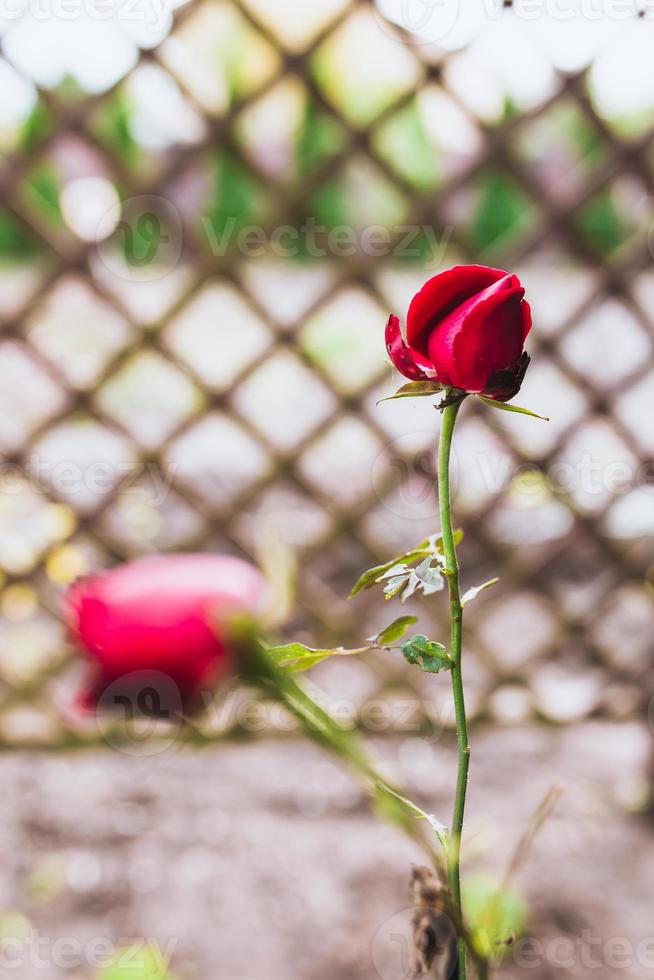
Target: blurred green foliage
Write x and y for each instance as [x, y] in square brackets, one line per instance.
[236, 195]
[497, 915]
[601, 224]
[405, 144]
[355, 193]
[319, 137]
[36, 126]
[137, 963]
[501, 212]
[44, 188]
[15, 242]
[112, 123]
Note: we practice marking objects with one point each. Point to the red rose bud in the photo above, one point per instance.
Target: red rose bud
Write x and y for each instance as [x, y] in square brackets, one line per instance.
[150, 628]
[465, 328]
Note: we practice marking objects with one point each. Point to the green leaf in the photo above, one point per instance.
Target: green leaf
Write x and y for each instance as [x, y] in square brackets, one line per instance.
[430, 656]
[415, 389]
[505, 407]
[295, 657]
[474, 592]
[394, 631]
[441, 831]
[371, 576]
[430, 546]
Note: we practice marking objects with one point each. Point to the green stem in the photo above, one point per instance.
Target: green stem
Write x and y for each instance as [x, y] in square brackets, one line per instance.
[456, 621]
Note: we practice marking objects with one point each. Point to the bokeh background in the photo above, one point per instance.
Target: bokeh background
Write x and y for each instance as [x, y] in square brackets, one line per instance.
[208, 212]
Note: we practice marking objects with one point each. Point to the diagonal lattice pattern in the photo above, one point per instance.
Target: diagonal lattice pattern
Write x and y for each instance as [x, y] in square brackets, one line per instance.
[197, 260]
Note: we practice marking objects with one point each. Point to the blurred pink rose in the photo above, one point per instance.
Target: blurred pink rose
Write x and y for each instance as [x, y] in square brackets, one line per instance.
[156, 616]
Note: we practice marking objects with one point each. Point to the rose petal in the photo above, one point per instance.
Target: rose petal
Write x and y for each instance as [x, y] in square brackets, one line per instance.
[526, 319]
[402, 357]
[481, 337]
[441, 295]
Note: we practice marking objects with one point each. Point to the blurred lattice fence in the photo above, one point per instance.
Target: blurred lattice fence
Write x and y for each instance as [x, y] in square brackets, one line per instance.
[169, 376]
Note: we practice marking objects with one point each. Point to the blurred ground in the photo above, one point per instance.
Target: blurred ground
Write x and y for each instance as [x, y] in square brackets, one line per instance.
[135, 418]
[262, 860]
